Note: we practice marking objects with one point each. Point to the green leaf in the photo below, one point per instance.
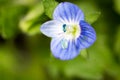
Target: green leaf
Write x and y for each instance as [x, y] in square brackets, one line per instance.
[90, 10]
[35, 12]
[84, 53]
[117, 5]
[32, 15]
[92, 17]
[34, 30]
[49, 6]
[25, 2]
[30, 24]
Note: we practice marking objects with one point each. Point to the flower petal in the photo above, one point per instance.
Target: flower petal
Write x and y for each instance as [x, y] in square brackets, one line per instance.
[52, 28]
[68, 12]
[70, 52]
[87, 36]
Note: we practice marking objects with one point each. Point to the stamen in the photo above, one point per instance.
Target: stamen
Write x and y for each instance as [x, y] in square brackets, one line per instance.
[64, 43]
[64, 27]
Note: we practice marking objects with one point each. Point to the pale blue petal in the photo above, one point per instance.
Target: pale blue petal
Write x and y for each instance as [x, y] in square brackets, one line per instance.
[64, 53]
[68, 12]
[52, 28]
[87, 36]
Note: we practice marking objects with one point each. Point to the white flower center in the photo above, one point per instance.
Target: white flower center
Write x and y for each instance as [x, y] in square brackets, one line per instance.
[71, 31]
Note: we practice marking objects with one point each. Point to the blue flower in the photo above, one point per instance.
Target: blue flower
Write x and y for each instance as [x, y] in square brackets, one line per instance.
[70, 33]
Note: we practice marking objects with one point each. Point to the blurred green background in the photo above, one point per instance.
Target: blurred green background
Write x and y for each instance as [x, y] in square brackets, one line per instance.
[25, 52]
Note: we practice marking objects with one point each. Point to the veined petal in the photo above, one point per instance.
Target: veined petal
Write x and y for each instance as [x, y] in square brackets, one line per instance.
[68, 12]
[70, 52]
[52, 28]
[87, 36]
